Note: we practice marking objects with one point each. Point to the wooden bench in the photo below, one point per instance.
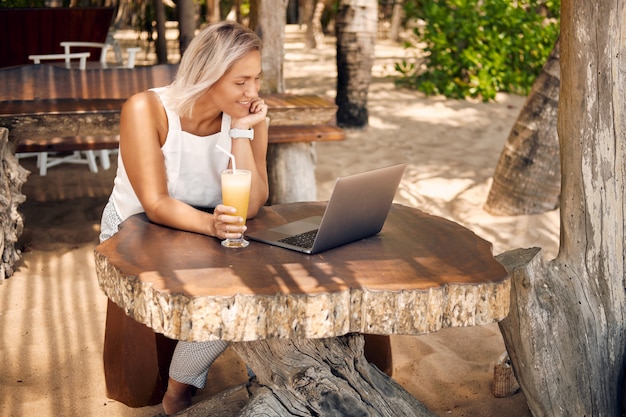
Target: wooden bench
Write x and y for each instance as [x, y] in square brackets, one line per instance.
[68, 144]
[49, 108]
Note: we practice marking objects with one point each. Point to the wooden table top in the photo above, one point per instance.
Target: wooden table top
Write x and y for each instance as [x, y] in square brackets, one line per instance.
[419, 274]
[49, 81]
[277, 104]
[43, 90]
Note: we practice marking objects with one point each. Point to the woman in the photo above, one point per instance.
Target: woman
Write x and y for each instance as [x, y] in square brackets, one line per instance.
[169, 162]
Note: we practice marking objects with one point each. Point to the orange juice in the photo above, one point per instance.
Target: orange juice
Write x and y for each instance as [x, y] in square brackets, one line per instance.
[236, 193]
[236, 190]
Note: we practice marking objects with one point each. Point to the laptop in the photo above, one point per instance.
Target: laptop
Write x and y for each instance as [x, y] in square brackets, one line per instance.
[357, 208]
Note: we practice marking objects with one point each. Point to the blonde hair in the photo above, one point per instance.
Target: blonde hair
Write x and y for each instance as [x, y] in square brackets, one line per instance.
[208, 57]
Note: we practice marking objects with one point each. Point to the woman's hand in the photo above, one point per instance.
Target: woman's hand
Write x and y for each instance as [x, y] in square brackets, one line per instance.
[226, 224]
[257, 113]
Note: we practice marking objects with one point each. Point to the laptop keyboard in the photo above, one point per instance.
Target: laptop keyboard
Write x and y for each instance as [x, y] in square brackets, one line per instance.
[303, 240]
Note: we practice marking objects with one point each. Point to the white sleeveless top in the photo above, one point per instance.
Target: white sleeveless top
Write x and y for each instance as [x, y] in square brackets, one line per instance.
[192, 164]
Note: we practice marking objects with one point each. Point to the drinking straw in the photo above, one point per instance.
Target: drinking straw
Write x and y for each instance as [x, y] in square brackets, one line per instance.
[230, 155]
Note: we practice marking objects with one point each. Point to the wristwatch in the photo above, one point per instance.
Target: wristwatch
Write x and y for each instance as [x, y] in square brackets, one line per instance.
[241, 133]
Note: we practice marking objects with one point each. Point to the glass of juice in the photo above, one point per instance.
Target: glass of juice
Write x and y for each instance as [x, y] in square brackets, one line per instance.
[236, 193]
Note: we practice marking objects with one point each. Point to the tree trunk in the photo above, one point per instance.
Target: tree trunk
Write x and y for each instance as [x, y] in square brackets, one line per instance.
[322, 377]
[566, 329]
[527, 179]
[268, 21]
[396, 21]
[291, 169]
[356, 28]
[314, 36]
[161, 42]
[14, 176]
[213, 11]
[186, 23]
[310, 377]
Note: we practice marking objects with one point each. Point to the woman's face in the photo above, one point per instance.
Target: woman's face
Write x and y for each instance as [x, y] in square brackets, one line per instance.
[235, 90]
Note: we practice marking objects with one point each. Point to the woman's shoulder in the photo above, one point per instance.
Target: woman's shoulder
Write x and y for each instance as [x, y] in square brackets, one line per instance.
[147, 97]
[145, 100]
[145, 107]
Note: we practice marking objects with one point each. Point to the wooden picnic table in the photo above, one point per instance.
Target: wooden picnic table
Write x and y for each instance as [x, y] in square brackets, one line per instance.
[38, 101]
[47, 107]
[298, 320]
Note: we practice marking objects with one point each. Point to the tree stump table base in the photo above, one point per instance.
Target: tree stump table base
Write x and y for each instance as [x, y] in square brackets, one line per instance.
[311, 377]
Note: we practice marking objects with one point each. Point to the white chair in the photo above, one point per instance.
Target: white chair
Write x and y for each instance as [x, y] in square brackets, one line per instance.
[67, 57]
[47, 160]
[130, 63]
[132, 52]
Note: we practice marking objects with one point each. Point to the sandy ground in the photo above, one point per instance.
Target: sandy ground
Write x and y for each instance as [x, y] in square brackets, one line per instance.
[52, 311]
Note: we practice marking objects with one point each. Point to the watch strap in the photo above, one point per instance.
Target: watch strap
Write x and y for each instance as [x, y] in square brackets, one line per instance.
[241, 133]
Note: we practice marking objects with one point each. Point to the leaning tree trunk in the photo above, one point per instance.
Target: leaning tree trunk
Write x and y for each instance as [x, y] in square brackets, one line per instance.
[566, 330]
[356, 28]
[527, 179]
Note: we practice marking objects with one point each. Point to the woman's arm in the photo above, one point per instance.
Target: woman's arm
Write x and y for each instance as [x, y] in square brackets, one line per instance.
[251, 155]
[143, 129]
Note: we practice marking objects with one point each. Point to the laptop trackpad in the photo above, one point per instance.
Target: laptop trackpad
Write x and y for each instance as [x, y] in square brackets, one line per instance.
[300, 226]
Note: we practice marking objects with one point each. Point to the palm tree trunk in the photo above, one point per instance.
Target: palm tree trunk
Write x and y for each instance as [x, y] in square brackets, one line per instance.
[356, 27]
[527, 179]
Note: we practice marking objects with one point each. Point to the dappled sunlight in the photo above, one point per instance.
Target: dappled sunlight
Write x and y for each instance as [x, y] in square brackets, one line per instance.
[47, 321]
[52, 316]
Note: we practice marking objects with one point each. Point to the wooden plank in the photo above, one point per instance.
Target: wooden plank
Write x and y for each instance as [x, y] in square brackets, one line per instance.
[37, 108]
[69, 144]
[44, 126]
[35, 119]
[47, 82]
[290, 109]
[277, 134]
[46, 118]
[305, 133]
[42, 87]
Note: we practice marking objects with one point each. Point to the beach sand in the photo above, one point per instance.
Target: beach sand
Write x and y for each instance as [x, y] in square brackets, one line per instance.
[52, 311]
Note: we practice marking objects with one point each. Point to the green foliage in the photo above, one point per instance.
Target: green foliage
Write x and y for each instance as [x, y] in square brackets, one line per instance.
[476, 48]
[14, 4]
[29, 4]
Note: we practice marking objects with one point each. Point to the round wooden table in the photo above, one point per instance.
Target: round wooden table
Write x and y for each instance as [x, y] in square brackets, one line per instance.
[298, 319]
